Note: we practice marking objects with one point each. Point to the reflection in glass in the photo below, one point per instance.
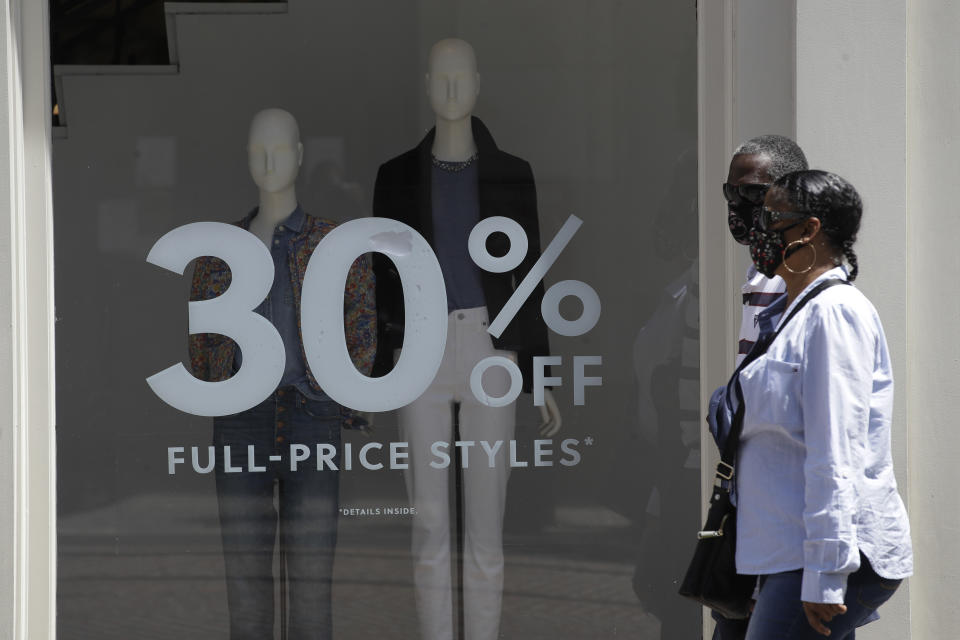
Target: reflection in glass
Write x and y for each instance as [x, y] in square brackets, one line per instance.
[599, 99]
[666, 358]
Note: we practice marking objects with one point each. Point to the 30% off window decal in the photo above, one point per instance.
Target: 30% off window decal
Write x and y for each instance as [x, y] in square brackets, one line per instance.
[322, 305]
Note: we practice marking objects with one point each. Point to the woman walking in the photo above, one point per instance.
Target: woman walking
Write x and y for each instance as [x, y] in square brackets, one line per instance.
[820, 520]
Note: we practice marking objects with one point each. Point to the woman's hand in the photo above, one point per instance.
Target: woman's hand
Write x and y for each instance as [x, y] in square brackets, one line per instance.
[818, 613]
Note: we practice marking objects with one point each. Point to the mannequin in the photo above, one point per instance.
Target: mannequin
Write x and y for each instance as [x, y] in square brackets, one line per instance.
[298, 412]
[453, 84]
[275, 155]
[442, 188]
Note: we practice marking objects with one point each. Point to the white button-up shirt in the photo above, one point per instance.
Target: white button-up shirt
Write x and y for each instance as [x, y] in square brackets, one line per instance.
[815, 474]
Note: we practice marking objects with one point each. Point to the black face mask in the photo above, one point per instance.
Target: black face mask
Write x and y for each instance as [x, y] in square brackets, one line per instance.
[740, 219]
[767, 248]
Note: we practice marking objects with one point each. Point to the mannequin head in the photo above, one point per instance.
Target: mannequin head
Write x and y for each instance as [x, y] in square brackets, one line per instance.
[453, 82]
[274, 150]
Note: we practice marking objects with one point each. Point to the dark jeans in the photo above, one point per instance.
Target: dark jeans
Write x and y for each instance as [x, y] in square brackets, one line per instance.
[727, 629]
[307, 515]
[779, 614]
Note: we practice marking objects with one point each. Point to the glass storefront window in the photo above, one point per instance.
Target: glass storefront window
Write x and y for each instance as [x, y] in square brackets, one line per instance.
[379, 320]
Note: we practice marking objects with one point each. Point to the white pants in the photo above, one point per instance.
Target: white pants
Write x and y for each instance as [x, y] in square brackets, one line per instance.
[427, 420]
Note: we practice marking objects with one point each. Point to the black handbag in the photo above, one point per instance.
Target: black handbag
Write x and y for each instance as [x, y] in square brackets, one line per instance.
[712, 578]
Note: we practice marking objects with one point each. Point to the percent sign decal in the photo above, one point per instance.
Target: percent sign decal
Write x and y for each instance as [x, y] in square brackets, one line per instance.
[550, 307]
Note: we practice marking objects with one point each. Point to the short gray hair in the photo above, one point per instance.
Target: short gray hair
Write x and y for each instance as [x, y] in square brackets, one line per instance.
[784, 154]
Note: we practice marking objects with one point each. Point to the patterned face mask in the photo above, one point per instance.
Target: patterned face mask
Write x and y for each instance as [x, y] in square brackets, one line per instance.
[767, 248]
[744, 202]
[740, 220]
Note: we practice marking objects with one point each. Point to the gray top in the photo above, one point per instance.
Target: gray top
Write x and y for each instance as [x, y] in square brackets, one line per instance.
[456, 211]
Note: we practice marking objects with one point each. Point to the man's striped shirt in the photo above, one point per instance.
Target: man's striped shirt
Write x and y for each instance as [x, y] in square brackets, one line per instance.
[758, 292]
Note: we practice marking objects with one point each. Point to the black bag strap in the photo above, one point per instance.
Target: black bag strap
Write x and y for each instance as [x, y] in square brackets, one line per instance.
[728, 455]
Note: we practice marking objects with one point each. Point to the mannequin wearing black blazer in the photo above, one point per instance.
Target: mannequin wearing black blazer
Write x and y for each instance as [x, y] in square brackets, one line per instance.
[506, 188]
[404, 192]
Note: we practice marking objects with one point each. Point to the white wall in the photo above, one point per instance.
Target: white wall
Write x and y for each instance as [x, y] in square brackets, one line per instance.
[27, 451]
[764, 79]
[7, 417]
[933, 194]
[851, 119]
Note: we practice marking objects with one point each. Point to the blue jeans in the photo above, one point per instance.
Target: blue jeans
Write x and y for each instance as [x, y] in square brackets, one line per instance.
[779, 615]
[307, 505]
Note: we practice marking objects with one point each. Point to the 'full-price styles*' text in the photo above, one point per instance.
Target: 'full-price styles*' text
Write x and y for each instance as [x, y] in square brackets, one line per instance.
[374, 456]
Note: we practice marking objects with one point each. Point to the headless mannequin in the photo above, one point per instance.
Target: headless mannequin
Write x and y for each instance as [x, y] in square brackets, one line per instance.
[453, 84]
[275, 154]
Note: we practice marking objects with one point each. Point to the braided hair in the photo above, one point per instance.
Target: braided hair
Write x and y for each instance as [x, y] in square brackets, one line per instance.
[833, 200]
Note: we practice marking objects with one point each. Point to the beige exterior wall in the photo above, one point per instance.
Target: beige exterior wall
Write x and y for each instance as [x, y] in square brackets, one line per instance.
[851, 119]
[8, 197]
[932, 310]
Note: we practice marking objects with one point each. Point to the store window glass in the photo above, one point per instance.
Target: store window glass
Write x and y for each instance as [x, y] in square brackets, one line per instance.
[376, 319]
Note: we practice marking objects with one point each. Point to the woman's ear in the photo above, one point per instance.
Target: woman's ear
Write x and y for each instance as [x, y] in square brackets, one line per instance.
[812, 228]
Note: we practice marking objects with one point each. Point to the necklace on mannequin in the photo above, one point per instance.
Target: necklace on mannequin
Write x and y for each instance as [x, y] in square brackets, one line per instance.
[453, 167]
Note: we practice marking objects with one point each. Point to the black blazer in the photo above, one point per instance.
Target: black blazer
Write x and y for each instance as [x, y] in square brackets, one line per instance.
[506, 188]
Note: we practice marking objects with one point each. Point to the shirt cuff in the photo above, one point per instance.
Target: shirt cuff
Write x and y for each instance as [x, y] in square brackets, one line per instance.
[823, 587]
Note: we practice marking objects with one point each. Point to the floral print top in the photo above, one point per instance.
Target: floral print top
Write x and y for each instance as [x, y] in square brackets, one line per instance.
[212, 355]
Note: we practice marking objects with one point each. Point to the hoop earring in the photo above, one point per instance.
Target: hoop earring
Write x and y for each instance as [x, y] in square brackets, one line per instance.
[809, 266]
